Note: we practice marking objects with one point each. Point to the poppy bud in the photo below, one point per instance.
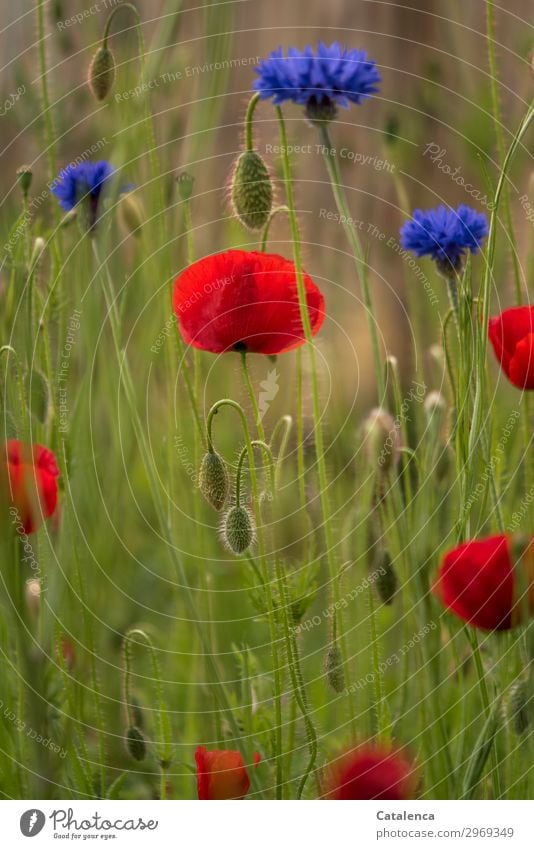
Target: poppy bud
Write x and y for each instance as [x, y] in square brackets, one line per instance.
[25, 177]
[382, 440]
[238, 529]
[213, 480]
[333, 667]
[185, 183]
[386, 580]
[132, 213]
[520, 706]
[102, 73]
[135, 743]
[252, 191]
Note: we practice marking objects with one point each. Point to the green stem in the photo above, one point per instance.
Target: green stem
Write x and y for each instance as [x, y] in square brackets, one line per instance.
[316, 402]
[253, 102]
[358, 254]
[265, 234]
[163, 520]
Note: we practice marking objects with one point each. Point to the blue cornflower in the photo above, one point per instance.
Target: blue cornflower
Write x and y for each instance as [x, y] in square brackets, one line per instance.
[83, 183]
[331, 77]
[445, 234]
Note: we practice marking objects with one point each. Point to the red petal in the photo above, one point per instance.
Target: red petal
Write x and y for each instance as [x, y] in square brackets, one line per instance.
[244, 300]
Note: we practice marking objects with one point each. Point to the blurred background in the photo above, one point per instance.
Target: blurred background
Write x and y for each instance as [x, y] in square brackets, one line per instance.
[430, 120]
[427, 137]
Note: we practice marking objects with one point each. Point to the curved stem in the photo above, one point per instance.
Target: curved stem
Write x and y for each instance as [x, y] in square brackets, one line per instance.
[265, 233]
[253, 102]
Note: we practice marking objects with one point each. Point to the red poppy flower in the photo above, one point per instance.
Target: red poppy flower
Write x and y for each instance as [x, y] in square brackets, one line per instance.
[478, 582]
[371, 772]
[244, 301]
[31, 483]
[512, 335]
[221, 774]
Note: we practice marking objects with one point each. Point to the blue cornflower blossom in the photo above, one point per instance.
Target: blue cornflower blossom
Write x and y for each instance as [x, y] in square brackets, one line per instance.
[445, 234]
[83, 183]
[331, 77]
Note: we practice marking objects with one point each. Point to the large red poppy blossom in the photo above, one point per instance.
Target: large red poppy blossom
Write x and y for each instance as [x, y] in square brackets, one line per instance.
[371, 771]
[221, 773]
[479, 582]
[244, 301]
[512, 335]
[29, 483]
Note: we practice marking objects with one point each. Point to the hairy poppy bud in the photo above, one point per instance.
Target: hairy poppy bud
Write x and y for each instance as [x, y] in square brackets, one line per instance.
[252, 191]
[25, 177]
[135, 743]
[238, 529]
[102, 73]
[131, 213]
[333, 667]
[386, 579]
[382, 440]
[520, 707]
[213, 480]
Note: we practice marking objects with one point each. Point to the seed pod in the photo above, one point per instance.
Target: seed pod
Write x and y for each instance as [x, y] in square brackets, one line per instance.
[382, 440]
[25, 177]
[135, 743]
[520, 707]
[213, 480]
[386, 579]
[132, 213]
[333, 667]
[252, 191]
[102, 73]
[238, 529]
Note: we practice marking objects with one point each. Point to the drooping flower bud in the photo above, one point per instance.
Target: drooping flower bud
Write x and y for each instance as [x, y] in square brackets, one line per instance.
[382, 440]
[102, 72]
[132, 213]
[25, 177]
[213, 480]
[333, 667]
[520, 706]
[238, 529]
[135, 743]
[252, 191]
[386, 580]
